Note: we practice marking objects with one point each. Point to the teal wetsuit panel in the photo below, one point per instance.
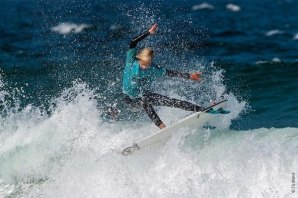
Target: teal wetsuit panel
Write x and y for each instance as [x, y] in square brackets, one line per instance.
[136, 81]
[127, 86]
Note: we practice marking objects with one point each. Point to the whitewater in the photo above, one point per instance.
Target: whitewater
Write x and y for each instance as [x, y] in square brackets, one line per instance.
[70, 152]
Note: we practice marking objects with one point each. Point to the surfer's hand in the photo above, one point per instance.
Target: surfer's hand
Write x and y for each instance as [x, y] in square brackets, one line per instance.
[197, 76]
[161, 126]
[153, 28]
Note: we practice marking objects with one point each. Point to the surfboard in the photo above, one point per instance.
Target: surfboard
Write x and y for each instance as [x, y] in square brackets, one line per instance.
[195, 120]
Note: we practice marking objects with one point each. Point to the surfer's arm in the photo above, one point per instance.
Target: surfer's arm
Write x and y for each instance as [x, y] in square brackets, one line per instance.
[193, 76]
[172, 73]
[135, 40]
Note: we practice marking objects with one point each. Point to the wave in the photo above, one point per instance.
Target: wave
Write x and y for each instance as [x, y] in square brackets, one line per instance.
[74, 144]
[70, 153]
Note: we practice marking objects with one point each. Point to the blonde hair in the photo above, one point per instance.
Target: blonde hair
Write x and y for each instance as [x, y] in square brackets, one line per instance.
[146, 54]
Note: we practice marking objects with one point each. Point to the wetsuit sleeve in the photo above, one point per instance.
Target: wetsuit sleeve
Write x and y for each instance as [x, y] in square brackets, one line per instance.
[172, 73]
[132, 52]
[135, 40]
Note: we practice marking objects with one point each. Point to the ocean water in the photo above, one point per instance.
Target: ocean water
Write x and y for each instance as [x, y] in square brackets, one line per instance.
[61, 65]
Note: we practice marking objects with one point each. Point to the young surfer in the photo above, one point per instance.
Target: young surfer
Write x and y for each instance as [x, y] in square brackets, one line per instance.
[139, 74]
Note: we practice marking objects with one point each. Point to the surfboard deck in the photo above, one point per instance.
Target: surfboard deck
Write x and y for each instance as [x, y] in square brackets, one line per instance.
[194, 120]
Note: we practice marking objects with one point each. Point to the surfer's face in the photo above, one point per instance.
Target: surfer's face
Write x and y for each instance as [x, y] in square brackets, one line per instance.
[145, 57]
[144, 64]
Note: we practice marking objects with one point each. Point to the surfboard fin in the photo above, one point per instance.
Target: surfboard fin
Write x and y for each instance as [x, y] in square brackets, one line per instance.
[218, 111]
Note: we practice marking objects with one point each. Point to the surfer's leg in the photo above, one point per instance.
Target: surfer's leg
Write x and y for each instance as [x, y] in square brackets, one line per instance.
[133, 104]
[160, 100]
[151, 113]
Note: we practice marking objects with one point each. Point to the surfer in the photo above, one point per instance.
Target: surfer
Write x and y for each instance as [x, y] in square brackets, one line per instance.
[139, 73]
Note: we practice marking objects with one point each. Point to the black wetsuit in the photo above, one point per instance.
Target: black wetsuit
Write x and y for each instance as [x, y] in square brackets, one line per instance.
[147, 100]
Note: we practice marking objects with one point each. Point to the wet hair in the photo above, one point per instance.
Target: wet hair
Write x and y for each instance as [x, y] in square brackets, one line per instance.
[146, 54]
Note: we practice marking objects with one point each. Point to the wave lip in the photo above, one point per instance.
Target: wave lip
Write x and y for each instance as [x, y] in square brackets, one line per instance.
[203, 6]
[296, 37]
[67, 28]
[233, 7]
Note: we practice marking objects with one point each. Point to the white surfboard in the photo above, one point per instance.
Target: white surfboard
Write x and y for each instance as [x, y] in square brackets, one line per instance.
[195, 120]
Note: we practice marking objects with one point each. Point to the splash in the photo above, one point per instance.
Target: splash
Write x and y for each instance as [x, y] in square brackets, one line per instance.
[42, 151]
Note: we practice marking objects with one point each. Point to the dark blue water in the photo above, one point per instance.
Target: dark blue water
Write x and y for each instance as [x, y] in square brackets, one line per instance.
[257, 47]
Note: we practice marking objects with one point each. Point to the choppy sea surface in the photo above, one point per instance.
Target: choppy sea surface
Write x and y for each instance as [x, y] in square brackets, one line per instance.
[61, 66]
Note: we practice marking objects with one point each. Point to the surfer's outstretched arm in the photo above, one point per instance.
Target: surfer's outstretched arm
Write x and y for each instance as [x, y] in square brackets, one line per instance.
[172, 73]
[193, 76]
[135, 40]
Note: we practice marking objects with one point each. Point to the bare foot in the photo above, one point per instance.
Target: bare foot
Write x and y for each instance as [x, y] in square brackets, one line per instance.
[161, 126]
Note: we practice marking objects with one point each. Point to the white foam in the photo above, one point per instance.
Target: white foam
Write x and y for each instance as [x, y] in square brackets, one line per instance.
[203, 6]
[67, 28]
[274, 32]
[276, 59]
[244, 164]
[296, 37]
[233, 7]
